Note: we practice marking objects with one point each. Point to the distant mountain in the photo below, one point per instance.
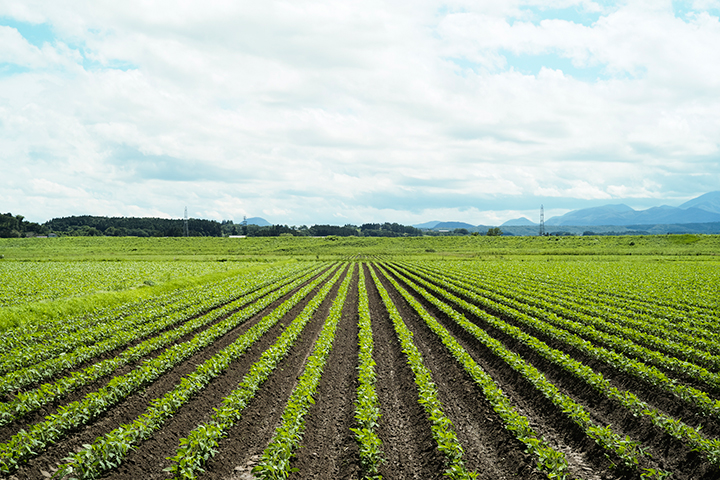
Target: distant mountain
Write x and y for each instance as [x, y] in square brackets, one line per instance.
[260, 222]
[451, 225]
[427, 225]
[518, 222]
[704, 209]
[702, 212]
[709, 202]
[605, 215]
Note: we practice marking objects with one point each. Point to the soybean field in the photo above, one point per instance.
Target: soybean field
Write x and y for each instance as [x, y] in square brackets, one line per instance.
[374, 367]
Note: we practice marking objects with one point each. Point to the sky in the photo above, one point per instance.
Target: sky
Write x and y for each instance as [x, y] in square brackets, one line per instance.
[314, 112]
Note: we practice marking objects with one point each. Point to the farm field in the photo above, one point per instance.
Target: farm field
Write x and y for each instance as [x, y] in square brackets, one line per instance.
[379, 367]
[331, 248]
[25, 282]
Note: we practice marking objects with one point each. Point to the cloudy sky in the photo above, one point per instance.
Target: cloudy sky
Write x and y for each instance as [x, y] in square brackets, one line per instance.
[306, 112]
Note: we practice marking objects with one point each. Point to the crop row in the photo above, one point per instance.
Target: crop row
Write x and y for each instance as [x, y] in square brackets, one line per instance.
[441, 426]
[675, 291]
[367, 405]
[275, 462]
[672, 426]
[608, 305]
[202, 442]
[26, 402]
[109, 450]
[26, 443]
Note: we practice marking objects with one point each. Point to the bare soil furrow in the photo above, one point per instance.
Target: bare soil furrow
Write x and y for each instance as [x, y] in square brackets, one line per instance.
[133, 406]
[328, 449]
[490, 450]
[409, 448]
[246, 440]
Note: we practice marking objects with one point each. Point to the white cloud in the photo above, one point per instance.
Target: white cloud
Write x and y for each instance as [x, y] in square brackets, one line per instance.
[310, 112]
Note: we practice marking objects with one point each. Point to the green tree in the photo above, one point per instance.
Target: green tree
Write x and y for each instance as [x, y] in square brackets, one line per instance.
[494, 232]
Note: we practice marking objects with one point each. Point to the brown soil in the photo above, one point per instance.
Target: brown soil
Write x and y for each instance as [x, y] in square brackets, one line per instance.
[135, 405]
[667, 453]
[329, 450]
[408, 446]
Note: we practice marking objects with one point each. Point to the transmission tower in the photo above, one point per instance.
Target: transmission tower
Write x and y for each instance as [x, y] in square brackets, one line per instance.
[542, 221]
[186, 231]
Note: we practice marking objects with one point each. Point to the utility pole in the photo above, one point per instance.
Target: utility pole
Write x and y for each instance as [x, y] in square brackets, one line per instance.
[186, 231]
[542, 221]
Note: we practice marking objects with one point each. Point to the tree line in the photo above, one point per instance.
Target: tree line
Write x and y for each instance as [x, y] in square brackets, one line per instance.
[88, 225]
[365, 230]
[14, 226]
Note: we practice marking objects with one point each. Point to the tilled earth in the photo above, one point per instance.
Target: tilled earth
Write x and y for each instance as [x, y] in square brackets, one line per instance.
[329, 449]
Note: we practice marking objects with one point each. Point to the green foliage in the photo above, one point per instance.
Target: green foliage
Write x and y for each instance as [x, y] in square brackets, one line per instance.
[276, 248]
[367, 405]
[196, 449]
[15, 226]
[87, 225]
[442, 428]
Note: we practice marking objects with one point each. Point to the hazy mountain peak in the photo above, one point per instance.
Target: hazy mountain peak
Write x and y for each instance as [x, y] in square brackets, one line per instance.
[518, 222]
[709, 202]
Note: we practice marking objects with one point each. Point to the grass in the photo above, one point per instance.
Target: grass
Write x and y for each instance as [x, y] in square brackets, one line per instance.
[49, 310]
[305, 248]
[267, 251]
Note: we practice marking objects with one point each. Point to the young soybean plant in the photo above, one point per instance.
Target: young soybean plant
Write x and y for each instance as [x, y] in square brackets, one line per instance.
[275, 464]
[441, 426]
[367, 406]
[195, 450]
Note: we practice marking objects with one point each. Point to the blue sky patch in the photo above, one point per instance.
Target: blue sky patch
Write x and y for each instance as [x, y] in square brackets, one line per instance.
[10, 69]
[683, 8]
[35, 34]
[94, 65]
[531, 65]
[570, 14]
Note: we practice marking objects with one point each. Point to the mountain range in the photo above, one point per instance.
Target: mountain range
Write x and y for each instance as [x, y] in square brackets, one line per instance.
[703, 209]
